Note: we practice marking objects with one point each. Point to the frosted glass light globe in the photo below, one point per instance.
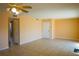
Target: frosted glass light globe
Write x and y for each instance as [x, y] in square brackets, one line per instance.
[13, 10]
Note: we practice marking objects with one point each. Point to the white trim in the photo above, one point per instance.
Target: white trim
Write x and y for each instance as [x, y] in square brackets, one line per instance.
[26, 42]
[67, 39]
[4, 48]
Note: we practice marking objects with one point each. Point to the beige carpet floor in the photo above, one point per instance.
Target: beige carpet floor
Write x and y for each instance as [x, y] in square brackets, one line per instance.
[43, 47]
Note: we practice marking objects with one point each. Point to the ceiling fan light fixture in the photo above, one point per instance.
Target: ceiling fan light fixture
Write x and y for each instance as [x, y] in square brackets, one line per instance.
[17, 13]
[14, 11]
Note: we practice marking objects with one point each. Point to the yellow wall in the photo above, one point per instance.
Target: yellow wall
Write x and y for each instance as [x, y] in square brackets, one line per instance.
[78, 29]
[67, 28]
[30, 29]
[3, 29]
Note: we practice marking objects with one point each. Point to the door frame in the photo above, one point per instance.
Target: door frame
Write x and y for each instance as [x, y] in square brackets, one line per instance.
[9, 20]
[47, 20]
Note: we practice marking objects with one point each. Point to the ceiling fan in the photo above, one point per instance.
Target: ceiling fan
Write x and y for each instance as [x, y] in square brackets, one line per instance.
[18, 7]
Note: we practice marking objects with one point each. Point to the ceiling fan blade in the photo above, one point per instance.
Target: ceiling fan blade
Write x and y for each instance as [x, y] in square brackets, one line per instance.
[19, 8]
[24, 10]
[14, 5]
[27, 7]
[11, 5]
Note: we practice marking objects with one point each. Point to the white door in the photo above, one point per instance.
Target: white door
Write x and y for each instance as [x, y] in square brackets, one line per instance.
[46, 29]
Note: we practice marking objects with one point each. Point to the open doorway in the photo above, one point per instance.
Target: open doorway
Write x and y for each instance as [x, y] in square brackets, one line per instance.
[13, 32]
[47, 28]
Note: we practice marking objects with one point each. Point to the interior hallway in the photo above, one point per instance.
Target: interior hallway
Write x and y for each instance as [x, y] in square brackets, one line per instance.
[43, 47]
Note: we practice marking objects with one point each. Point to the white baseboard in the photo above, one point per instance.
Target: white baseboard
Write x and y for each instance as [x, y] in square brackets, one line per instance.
[25, 42]
[68, 39]
[4, 48]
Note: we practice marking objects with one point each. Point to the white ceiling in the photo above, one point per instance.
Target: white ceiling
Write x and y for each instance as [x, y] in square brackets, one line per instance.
[54, 5]
[54, 10]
